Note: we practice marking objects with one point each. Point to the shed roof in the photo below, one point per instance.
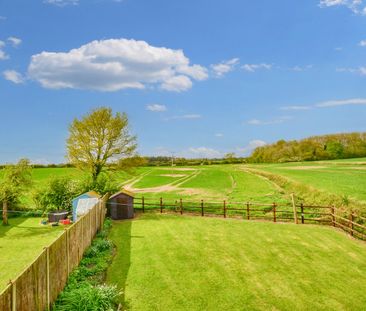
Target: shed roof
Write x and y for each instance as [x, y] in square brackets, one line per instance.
[91, 194]
[123, 191]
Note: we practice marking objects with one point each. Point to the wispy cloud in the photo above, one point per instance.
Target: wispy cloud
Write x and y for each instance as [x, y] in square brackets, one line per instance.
[15, 41]
[13, 76]
[329, 104]
[62, 3]
[362, 43]
[356, 6]
[345, 102]
[255, 67]
[3, 18]
[360, 70]
[295, 107]
[184, 117]
[301, 68]
[278, 120]
[156, 108]
[224, 67]
[219, 135]
[3, 55]
[203, 152]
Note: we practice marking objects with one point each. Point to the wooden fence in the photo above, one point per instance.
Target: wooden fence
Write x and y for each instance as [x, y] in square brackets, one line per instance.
[348, 221]
[38, 286]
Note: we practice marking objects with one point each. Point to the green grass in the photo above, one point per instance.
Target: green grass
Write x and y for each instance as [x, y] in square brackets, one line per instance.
[191, 263]
[20, 243]
[330, 176]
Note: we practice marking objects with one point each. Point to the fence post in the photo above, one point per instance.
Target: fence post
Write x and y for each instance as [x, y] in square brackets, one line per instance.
[14, 296]
[351, 218]
[294, 208]
[274, 212]
[48, 277]
[68, 250]
[161, 205]
[143, 204]
[181, 206]
[202, 211]
[332, 209]
[302, 213]
[248, 215]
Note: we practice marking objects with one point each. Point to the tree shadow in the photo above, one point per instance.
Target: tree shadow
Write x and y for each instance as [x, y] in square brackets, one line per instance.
[13, 223]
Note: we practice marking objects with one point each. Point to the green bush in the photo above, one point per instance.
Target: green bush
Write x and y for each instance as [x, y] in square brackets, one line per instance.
[89, 298]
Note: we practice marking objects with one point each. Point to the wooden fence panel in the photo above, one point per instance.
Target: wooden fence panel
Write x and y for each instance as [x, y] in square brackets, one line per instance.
[31, 286]
[58, 266]
[6, 298]
[40, 284]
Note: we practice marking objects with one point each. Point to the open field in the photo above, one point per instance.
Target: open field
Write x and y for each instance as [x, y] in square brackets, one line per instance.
[343, 178]
[20, 243]
[340, 177]
[189, 263]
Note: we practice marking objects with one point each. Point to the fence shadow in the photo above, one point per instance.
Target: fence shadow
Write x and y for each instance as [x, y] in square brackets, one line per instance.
[118, 271]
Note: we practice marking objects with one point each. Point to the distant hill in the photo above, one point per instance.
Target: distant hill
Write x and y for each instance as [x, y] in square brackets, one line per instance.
[325, 147]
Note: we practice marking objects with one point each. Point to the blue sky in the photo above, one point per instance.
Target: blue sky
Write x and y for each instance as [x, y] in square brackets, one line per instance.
[197, 78]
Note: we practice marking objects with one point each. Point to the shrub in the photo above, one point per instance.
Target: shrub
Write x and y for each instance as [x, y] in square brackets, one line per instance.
[89, 298]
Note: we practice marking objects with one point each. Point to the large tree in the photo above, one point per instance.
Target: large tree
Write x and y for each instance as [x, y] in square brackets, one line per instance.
[16, 179]
[99, 138]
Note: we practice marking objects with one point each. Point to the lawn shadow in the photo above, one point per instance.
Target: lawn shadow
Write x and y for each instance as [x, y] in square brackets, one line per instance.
[118, 270]
[13, 223]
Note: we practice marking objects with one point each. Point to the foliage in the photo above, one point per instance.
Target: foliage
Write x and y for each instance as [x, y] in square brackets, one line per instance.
[327, 147]
[106, 182]
[85, 289]
[99, 138]
[16, 179]
[57, 195]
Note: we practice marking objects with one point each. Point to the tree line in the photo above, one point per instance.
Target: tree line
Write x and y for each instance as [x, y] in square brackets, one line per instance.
[325, 147]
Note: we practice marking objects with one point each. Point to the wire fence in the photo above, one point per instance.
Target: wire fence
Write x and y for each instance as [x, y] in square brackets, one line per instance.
[38, 286]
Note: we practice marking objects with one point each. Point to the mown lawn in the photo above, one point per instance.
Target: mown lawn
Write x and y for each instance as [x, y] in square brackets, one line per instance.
[166, 262]
[20, 243]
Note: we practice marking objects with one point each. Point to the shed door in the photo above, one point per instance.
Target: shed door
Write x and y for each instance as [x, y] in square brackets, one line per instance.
[122, 210]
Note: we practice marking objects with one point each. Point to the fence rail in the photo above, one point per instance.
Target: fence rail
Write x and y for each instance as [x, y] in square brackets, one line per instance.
[38, 286]
[299, 213]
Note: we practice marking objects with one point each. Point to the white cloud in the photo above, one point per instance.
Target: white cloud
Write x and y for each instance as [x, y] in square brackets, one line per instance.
[62, 3]
[3, 55]
[360, 70]
[203, 152]
[295, 107]
[251, 146]
[2, 18]
[185, 117]
[219, 135]
[156, 108]
[356, 6]
[362, 43]
[301, 68]
[15, 41]
[224, 67]
[115, 64]
[13, 76]
[325, 104]
[278, 120]
[255, 67]
[345, 102]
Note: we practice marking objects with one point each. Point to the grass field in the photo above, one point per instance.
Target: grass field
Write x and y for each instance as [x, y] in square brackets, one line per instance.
[338, 177]
[190, 263]
[20, 243]
[231, 182]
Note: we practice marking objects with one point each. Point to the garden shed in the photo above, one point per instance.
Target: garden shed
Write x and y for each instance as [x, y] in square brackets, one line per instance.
[120, 205]
[83, 203]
